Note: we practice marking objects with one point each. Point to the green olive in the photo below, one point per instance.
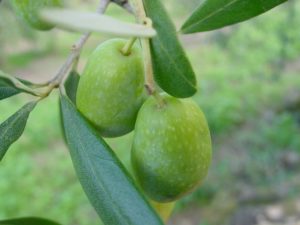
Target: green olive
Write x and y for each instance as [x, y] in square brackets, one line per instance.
[171, 150]
[111, 89]
[163, 209]
[28, 10]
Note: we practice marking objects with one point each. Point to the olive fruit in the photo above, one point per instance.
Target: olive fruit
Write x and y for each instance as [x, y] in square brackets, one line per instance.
[111, 89]
[171, 149]
[28, 10]
[163, 209]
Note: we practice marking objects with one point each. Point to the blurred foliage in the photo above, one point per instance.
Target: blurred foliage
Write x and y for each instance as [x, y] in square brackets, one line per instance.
[248, 77]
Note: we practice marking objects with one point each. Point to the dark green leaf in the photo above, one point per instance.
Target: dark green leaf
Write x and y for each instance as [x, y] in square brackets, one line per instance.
[7, 89]
[214, 14]
[172, 69]
[13, 127]
[71, 85]
[107, 184]
[28, 221]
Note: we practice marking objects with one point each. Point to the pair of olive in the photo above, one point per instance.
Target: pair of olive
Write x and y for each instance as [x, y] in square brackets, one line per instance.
[171, 149]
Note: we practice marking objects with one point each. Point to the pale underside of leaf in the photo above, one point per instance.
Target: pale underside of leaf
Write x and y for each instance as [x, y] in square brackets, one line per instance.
[93, 22]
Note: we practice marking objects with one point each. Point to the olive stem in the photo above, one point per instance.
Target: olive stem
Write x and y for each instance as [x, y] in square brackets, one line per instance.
[143, 19]
[126, 50]
[160, 101]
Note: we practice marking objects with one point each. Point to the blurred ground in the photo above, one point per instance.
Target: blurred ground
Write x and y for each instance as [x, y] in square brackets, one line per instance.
[249, 89]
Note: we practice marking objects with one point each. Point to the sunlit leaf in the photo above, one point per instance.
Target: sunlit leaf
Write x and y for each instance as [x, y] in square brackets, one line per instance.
[85, 21]
[214, 14]
[105, 181]
[12, 129]
[172, 69]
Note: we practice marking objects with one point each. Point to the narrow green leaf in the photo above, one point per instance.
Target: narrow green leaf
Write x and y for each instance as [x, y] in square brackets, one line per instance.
[28, 221]
[84, 21]
[172, 69]
[7, 89]
[105, 181]
[214, 14]
[71, 85]
[12, 129]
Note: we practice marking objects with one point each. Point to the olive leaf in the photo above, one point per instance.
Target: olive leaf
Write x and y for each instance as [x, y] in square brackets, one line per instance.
[214, 14]
[8, 88]
[172, 69]
[85, 21]
[12, 129]
[104, 179]
[71, 85]
[28, 221]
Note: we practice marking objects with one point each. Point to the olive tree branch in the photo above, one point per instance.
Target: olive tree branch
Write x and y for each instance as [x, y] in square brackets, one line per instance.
[143, 19]
[72, 59]
[76, 49]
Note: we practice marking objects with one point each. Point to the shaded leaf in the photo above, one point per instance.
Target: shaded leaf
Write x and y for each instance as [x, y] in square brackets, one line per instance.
[172, 69]
[28, 221]
[85, 21]
[107, 184]
[71, 85]
[214, 14]
[7, 88]
[12, 129]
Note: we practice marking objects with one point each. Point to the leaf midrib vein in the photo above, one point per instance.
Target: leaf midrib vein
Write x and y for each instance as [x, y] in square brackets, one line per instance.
[173, 62]
[211, 14]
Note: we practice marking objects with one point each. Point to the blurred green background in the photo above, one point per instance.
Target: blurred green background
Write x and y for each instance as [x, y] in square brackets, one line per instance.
[249, 81]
